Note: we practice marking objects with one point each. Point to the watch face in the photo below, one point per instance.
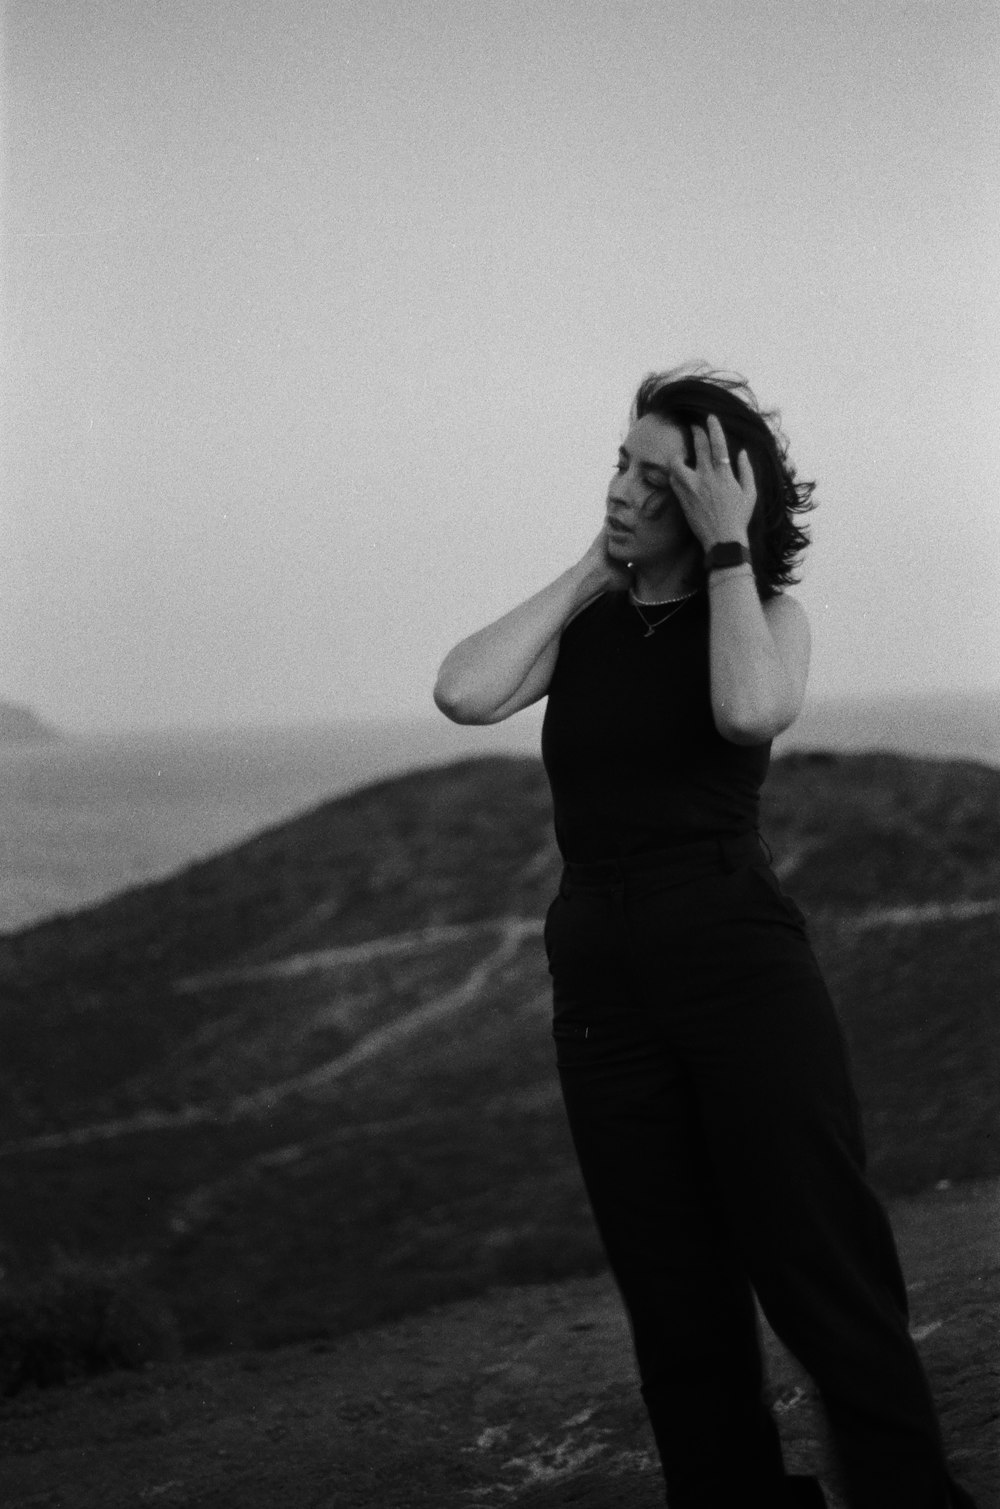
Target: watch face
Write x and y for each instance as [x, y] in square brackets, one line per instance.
[729, 553]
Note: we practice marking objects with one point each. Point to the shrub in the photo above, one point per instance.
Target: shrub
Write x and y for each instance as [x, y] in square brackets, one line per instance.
[82, 1316]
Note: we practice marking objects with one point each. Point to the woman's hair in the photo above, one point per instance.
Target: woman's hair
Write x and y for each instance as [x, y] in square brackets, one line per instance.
[687, 395]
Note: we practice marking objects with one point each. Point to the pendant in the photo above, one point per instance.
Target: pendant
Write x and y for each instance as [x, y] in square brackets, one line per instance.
[649, 633]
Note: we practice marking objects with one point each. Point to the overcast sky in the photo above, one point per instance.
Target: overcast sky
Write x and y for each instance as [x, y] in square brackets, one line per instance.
[322, 321]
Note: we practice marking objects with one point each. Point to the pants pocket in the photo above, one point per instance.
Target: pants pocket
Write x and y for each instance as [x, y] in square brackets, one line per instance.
[764, 880]
[570, 1032]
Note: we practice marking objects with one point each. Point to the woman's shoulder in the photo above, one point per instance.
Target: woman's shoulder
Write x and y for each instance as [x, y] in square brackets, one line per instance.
[783, 608]
[591, 624]
[784, 600]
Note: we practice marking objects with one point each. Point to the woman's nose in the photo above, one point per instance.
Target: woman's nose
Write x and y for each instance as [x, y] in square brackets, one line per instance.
[622, 491]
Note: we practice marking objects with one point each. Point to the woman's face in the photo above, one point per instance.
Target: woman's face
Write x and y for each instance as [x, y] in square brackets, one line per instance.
[641, 487]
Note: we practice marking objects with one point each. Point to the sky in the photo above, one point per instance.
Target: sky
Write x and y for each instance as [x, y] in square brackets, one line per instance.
[321, 323]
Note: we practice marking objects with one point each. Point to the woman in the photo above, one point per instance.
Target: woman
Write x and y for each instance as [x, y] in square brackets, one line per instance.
[702, 1065]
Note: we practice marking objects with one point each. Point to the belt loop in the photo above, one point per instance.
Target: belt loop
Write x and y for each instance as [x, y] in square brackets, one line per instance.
[765, 846]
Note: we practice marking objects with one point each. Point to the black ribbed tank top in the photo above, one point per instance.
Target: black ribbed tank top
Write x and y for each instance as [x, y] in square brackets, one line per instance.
[629, 744]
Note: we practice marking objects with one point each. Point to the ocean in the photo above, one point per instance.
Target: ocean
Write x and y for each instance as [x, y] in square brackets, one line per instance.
[85, 817]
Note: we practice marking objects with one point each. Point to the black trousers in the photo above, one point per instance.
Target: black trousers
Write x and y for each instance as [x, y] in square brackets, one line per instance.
[709, 1098]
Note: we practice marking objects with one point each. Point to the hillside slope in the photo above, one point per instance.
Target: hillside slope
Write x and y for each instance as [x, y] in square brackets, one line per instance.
[22, 725]
[309, 1082]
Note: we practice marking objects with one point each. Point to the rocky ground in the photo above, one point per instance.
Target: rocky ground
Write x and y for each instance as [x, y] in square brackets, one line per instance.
[523, 1397]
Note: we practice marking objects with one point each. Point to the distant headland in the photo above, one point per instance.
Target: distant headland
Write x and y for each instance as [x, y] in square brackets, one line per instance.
[21, 725]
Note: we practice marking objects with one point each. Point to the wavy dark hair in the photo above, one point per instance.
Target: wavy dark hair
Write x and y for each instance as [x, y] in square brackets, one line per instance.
[687, 395]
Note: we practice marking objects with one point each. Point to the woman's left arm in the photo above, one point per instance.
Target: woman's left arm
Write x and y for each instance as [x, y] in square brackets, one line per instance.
[758, 656]
[758, 652]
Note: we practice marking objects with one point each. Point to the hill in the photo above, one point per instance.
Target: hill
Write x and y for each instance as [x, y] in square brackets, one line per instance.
[91, 815]
[309, 1083]
[936, 725]
[20, 725]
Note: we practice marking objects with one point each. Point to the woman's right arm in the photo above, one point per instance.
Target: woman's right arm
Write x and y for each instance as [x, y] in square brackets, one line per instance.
[508, 665]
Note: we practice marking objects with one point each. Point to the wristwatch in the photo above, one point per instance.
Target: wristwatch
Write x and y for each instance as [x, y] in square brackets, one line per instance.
[727, 553]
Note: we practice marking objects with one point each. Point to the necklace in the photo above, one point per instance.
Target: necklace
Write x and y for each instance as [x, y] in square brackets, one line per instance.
[677, 602]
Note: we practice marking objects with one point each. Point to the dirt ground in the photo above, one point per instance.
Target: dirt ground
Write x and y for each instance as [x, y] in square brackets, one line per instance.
[525, 1397]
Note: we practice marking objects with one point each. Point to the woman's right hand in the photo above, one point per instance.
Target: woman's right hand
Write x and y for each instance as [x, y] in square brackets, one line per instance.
[603, 572]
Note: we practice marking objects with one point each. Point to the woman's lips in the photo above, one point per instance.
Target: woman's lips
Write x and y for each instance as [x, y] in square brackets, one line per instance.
[616, 528]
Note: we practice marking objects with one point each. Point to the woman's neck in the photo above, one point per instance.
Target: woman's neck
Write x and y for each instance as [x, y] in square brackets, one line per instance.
[661, 580]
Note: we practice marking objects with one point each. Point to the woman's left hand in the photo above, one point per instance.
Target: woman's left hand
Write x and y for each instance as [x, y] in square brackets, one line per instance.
[717, 502]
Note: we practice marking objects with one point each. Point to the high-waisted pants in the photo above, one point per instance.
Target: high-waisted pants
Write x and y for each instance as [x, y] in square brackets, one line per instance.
[710, 1102]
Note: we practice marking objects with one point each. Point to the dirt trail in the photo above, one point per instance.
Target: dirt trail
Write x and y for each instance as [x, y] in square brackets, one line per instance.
[513, 932]
[525, 1397]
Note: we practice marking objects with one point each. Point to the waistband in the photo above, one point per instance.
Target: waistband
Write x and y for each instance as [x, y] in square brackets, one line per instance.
[683, 861]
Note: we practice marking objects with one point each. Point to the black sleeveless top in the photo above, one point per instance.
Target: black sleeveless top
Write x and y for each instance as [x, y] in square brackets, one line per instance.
[629, 744]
